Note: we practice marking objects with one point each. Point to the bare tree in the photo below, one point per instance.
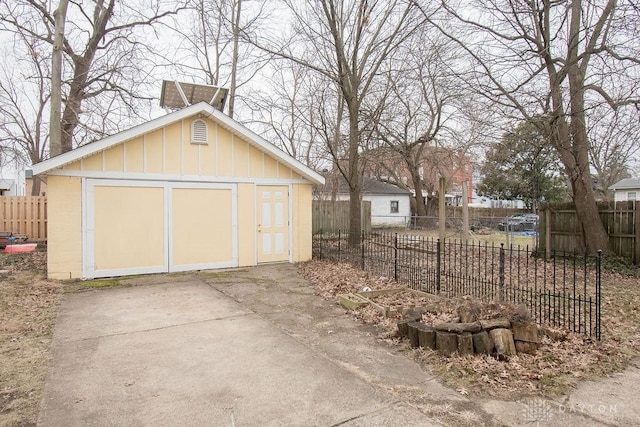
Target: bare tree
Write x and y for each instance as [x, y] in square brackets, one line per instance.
[287, 109]
[557, 59]
[349, 43]
[613, 142]
[24, 97]
[214, 51]
[101, 44]
[55, 127]
[419, 109]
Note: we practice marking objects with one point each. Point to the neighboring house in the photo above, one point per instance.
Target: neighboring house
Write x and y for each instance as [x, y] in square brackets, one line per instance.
[390, 205]
[187, 191]
[455, 166]
[626, 189]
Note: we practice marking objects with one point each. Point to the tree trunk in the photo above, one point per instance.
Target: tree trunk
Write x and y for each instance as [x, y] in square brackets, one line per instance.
[355, 184]
[421, 209]
[235, 26]
[55, 131]
[35, 187]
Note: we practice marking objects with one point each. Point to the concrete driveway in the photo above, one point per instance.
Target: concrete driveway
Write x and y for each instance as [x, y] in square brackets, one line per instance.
[175, 350]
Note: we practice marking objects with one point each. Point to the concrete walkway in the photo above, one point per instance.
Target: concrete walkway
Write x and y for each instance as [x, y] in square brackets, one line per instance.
[176, 351]
[253, 347]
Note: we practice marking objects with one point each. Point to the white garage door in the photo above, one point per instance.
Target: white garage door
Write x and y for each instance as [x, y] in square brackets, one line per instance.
[138, 227]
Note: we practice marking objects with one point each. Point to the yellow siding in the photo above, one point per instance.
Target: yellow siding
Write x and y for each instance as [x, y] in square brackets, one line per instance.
[129, 227]
[202, 226]
[190, 152]
[93, 163]
[256, 164]
[246, 225]
[114, 159]
[224, 151]
[302, 226]
[270, 167]
[135, 155]
[153, 150]
[64, 235]
[241, 157]
[172, 142]
[73, 166]
[208, 154]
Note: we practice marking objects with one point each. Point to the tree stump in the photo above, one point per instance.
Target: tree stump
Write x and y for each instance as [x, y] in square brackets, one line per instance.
[503, 340]
[495, 323]
[413, 333]
[446, 343]
[403, 330]
[526, 347]
[427, 337]
[465, 344]
[525, 332]
[458, 327]
[468, 313]
[482, 343]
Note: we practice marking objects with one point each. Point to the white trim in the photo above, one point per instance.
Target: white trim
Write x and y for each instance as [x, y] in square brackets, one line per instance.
[152, 125]
[290, 219]
[138, 176]
[88, 227]
[88, 230]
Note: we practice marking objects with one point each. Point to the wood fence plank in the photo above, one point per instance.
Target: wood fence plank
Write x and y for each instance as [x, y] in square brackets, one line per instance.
[24, 215]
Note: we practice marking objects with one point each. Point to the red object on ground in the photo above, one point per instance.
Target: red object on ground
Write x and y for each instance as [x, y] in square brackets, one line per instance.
[19, 248]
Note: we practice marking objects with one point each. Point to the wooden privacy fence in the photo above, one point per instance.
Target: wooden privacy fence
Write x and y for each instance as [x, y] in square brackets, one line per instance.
[24, 215]
[560, 230]
[332, 216]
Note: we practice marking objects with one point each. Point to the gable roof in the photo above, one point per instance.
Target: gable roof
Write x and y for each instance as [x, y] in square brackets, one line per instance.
[369, 186]
[201, 108]
[625, 184]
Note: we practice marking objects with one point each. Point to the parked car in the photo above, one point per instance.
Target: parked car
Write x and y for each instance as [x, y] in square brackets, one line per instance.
[520, 222]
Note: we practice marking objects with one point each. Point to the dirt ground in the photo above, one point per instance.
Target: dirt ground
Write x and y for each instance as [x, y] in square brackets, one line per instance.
[28, 305]
[557, 366]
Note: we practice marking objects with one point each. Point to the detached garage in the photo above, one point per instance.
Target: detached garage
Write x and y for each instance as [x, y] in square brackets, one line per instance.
[188, 191]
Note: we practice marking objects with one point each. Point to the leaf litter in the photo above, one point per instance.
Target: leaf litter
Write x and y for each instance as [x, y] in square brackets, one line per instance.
[563, 359]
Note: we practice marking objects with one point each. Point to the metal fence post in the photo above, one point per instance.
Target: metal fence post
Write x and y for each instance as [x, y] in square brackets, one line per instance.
[438, 255]
[320, 245]
[501, 274]
[395, 257]
[339, 241]
[362, 249]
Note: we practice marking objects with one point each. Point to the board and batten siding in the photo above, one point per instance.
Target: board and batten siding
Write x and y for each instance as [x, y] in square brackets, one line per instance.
[168, 155]
[168, 152]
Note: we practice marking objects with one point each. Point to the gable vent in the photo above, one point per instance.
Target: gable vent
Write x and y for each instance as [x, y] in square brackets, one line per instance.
[199, 132]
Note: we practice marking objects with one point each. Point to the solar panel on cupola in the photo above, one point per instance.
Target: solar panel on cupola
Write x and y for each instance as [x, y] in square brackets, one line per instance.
[177, 95]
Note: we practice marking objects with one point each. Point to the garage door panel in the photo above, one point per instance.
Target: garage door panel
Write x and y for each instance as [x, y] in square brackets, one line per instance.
[202, 228]
[138, 227]
[128, 228]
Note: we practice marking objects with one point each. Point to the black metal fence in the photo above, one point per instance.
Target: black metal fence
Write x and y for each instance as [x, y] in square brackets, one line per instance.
[559, 289]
